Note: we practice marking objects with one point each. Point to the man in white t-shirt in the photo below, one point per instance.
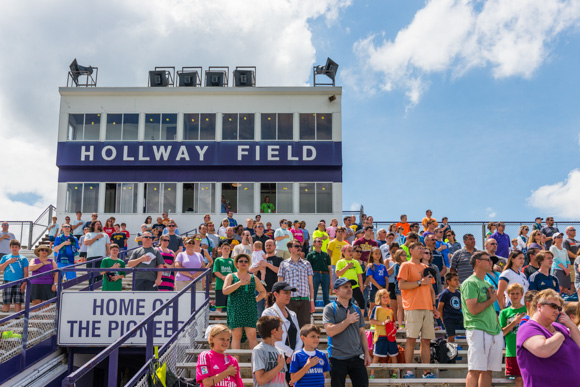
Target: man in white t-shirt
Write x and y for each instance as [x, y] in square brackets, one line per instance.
[282, 236]
[77, 225]
[5, 238]
[98, 243]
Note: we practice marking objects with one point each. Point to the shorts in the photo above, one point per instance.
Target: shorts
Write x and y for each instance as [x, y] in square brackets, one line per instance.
[41, 292]
[563, 279]
[221, 300]
[419, 322]
[359, 298]
[511, 367]
[451, 324]
[51, 238]
[392, 294]
[12, 295]
[372, 294]
[484, 352]
[383, 348]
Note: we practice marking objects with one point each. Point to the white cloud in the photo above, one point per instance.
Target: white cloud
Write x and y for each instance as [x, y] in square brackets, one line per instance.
[511, 37]
[354, 206]
[560, 199]
[491, 214]
[125, 39]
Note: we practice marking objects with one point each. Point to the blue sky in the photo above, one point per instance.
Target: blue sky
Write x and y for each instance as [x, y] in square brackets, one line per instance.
[466, 107]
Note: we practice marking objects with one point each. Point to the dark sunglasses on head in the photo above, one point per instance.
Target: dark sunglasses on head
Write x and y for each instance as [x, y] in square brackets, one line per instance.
[554, 306]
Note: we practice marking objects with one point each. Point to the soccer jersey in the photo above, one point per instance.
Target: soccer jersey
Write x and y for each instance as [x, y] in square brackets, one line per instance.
[211, 363]
[314, 377]
[506, 316]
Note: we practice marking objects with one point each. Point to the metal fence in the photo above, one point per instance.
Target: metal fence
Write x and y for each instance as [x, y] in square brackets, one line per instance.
[27, 232]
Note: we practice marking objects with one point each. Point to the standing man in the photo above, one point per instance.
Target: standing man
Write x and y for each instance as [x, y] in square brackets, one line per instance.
[231, 220]
[484, 335]
[53, 230]
[321, 267]
[175, 241]
[94, 218]
[282, 236]
[571, 245]
[347, 342]
[250, 226]
[537, 224]
[66, 245]
[428, 217]
[367, 243]
[77, 225]
[381, 237]
[503, 241]
[322, 234]
[97, 242]
[148, 257]
[260, 236]
[334, 249]
[157, 229]
[165, 218]
[548, 231]
[5, 238]
[349, 236]
[272, 265]
[403, 223]
[267, 207]
[461, 260]
[245, 247]
[419, 305]
[206, 241]
[211, 234]
[230, 238]
[298, 273]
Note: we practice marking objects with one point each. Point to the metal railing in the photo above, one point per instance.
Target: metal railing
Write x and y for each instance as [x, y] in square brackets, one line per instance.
[28, 232]
[112, 351]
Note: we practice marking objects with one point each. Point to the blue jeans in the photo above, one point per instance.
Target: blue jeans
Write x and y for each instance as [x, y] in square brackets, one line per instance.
[260, 306]
[321, 279]
[69, 274]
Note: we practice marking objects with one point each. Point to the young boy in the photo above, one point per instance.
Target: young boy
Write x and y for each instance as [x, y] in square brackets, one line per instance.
[222, 266]
[268, 362]
[450, 306]
[15, 267]
[309, 364]
[119, 237]
[514, 245]
[509, 320]
[124, 231]
[258, 255]
[112, 280]
[530, 294]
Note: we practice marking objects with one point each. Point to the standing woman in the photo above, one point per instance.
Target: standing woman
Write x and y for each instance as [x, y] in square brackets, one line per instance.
[561, 265]
[109, 228]
[44, 287]
[223, 228]
[190, 260]
[168, 277]
[451, 242]
[149, 223]
[491, 227]
[523, 238]
[207, 259]
[535, 240]
[512, 273]
[242, 309]
[331, 230]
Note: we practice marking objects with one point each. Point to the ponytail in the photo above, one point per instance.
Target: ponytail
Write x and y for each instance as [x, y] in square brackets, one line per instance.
[270, 300]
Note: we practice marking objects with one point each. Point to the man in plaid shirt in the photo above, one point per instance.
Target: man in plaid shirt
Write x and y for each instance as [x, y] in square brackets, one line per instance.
[298, 273]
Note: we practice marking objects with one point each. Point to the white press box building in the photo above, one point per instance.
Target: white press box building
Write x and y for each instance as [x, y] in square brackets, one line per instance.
[131, 152]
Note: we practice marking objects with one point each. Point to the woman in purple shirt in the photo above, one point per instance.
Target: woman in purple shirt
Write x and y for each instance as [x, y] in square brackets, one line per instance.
[548, 345]
[44, 287]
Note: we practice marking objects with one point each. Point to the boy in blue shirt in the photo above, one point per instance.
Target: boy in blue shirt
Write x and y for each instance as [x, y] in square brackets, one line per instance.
[308, 365]
[15, 267]
[450, 306]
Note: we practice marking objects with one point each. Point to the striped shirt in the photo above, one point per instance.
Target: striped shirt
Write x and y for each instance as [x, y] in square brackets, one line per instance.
[296, 274]
[460, 262]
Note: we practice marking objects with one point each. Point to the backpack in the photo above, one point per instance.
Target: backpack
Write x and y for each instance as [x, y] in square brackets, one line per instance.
[442, 351]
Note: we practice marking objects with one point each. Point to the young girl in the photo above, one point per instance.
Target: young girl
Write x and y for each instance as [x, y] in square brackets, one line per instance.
[168, 277]
[109, 227]
[222, 266]
[215, 367]
[400, 257]
[384, 342]
[376, 274]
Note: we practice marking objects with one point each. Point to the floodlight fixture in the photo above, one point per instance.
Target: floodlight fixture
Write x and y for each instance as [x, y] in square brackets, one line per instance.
[77, 72]
[245, 76]
[329, 69]
[217, 76]
[189, 76]
[162, 76]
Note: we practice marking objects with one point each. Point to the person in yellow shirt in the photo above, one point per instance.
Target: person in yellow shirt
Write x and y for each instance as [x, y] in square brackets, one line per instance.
[427, 218]
[334, 249]
[349, 268]
[322, 234]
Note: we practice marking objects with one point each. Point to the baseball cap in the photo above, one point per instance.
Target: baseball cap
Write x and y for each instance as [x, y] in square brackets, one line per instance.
[537, 217]
[343, 281]
[282, 285]
[430, 271]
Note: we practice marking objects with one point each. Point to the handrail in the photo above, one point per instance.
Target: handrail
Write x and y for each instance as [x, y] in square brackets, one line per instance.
[112, 351]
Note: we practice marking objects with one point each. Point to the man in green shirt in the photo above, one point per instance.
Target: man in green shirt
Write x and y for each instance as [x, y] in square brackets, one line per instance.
[484, 335]
[267, 207]
[321, 266]
[113, 280]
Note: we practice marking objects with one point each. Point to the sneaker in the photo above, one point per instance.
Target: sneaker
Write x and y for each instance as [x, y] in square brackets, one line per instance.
[394, 376]
[372, 377]
[409, 375]
[429, 375]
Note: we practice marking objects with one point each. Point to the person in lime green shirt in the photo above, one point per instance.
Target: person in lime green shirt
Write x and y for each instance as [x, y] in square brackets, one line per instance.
[267, 207]
[350, 268]
[509, 320]
[113, 280]
[322, 234]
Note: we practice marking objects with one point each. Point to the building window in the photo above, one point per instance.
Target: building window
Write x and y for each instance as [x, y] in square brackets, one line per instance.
[316, 126]
[161, 127]
[237, 197]
[198, 198]
[280, 198]
[199, 127]
[315, 198]
[82, 197]
[84, 127]
[123, 127]
[160, 197]
[238, 126]
[277, 126]
[121, 198]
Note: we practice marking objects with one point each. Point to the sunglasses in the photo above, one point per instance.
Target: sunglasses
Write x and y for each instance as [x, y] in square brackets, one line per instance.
[163, 240]
[171, 225]
[243, 261]
[357, 251]
[297, 246]
[146, 237]
[43, 250]
[554, 306]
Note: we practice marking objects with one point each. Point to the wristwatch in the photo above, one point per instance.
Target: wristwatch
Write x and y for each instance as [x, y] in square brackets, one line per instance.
[419, 283]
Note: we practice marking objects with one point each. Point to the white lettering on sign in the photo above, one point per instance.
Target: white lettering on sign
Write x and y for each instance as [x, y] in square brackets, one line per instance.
[126, 156]
[242, 151]
[141, 156]
[111, 156]
[305, 155]
[257, 152]
[96, 318]
[201, 151]
[160, 152]
[290, 157]
[182, 154]
[273, 152]
[85, 153]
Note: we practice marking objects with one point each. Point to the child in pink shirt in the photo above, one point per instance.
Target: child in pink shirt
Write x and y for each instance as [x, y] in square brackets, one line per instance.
[215, 366]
